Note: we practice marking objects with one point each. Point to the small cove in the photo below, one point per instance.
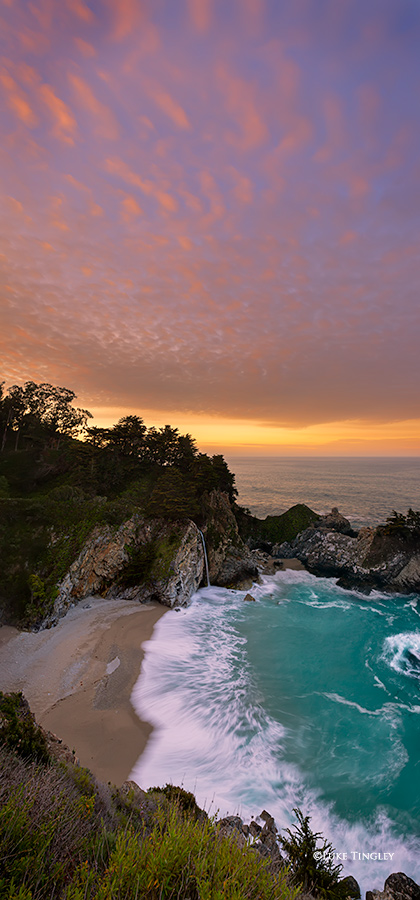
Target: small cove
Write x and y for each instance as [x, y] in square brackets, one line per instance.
[308, 697]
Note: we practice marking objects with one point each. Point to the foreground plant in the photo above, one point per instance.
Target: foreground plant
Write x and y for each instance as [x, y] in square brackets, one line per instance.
[180, 858]
[311, 860]
[63, 836]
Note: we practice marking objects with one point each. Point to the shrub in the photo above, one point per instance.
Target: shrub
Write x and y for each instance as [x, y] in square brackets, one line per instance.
[173, 497]
[405, 527]
[312, 866]
[18, 729]
[45, 824]
[183, 800]
[182, 859]
[55, 844]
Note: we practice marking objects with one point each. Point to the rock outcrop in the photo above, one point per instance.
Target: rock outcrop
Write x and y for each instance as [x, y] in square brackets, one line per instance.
[263, 837]
[368, 559]
[157, 560]
[143, 560]
[231, 563]
[261, 534]
[398, 886]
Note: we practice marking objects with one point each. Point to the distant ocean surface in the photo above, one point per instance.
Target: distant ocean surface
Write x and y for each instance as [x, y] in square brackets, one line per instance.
[365, 490]
[308, 697]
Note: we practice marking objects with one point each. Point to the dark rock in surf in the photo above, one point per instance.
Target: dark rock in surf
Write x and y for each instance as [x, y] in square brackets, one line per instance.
[350, 887]
[401, 887]
[366, 560]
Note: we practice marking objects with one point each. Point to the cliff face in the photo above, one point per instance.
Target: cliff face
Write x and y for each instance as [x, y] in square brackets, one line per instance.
[142, 560]
[367, 559]
[230, 561]
[157, 560]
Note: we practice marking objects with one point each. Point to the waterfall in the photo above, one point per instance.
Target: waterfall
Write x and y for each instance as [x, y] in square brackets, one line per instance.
[206, 562]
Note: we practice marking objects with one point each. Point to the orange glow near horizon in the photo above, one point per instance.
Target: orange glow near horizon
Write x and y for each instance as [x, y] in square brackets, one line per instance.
[253, 438]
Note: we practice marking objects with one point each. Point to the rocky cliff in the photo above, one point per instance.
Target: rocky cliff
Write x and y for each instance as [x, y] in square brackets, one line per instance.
[144, 560]
[157, 560]
[368, 559]
[230, 562]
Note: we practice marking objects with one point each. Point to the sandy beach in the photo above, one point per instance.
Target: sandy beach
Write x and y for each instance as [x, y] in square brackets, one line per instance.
[78, 678]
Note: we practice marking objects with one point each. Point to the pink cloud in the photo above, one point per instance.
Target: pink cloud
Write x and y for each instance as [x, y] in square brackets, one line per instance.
[213, 195]
[241, 103]
[18, 100]
[130, 209]
[64, 123]
[170, 107]
[200, 14]
[81, 10]
[243, 188]
[359, 186]
[86, 49]
[103, 119]
[118, 167]
[336, 131]
[127, 14]
[225, 255]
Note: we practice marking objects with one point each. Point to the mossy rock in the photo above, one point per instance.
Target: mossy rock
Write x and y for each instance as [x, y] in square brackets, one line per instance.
[276, 529]
[183, 800]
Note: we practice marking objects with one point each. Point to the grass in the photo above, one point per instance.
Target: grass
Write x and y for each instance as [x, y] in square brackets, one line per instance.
[63, 837]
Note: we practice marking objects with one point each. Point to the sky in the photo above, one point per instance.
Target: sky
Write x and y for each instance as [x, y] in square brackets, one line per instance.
[210, 216]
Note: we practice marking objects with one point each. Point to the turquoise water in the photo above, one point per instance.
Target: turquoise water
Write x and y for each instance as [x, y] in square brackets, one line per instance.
[365, 489]
[308, 697]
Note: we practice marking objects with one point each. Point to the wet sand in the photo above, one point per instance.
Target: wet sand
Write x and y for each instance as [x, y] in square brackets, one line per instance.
[78, 678]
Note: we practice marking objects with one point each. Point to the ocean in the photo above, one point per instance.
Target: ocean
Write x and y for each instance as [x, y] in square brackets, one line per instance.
[308, 697]
[365, 489]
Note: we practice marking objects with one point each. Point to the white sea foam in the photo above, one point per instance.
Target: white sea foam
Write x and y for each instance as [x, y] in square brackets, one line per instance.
[213, 734]
[402, 653]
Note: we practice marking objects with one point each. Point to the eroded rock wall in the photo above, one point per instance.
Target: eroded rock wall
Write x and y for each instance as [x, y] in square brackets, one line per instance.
[230, 561]
[141, 560]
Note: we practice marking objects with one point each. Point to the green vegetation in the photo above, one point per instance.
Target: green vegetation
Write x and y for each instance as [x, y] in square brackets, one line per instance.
[152, 560]
[173, 496]
[39, 539]
[407, 528]
[312, 866]
[275, 529]
[64, 836]
[59, 479]
[41, 449]
[18, 729]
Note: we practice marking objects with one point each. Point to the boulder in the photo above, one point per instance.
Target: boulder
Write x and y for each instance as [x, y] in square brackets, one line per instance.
[378, 895]
[409, 576]
[266, 841]
[153, 559]
[283, 551]
[398, 886]
[335, 521]
[350, 887]
[401, 887]
[231, 827]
